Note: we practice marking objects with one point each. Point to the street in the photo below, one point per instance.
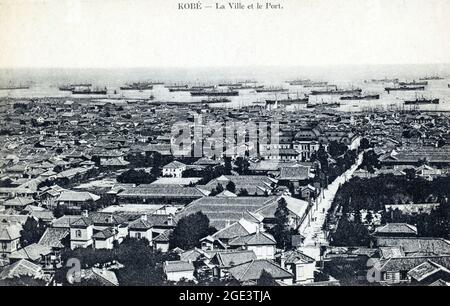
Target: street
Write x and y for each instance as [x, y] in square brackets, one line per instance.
[313, 233]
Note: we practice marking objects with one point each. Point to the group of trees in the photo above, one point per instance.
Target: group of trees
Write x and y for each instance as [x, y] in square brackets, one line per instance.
[372, 195]
[434, 224]
[189, 230]
[282, 231]
[142, 266]
[31, 232]
[328, 171]
[136, 177]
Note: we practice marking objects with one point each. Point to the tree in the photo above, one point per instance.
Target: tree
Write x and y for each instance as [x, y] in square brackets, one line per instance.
[281, 231]
[136, 177]
[231, 187]
[242, 165]
[142, 265]
[370, 161]
[189, 230]
[266, 279]
[364, 144]
[31, 232]
[219, 188]
[243, 192]
[227, 165]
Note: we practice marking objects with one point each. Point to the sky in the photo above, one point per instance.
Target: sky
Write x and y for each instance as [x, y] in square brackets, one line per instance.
[155, 33]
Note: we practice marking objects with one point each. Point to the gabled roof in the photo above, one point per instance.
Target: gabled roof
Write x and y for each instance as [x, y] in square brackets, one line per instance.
[21, 268]
[178, 266]
[251, 271]
[258, 238]
[19, 202]
[76, 196]
[140, 224]
[174, 165]
[31, 252]
[52, 237]
[295, 256]
[106, 277]
[105, 234]
[10, 231]
[396, 228]
[236, 229]
[82, 222]
[233, 258]
[163, 237]
[426, 269]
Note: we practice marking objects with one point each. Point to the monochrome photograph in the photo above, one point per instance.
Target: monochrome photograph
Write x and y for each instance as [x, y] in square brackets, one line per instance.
[225, 144]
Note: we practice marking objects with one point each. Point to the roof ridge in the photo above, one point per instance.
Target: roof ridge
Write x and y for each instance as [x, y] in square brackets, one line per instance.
[246, 269]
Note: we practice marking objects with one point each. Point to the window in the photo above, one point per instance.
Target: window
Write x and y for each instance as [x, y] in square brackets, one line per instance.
[4, 245]
[138, 235]
[78, 233]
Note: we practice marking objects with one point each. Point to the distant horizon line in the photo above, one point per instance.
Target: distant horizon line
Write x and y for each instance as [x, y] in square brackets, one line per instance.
[219, 66]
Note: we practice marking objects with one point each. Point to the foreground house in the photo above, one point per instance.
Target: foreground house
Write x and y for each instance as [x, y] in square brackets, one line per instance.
[178, 270]
[248, 273]
[299, 264]
[9, 238]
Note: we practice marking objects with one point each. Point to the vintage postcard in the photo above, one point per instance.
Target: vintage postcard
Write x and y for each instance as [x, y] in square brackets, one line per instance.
[214, 143]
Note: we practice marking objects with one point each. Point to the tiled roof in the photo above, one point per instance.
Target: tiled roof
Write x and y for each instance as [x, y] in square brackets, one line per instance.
[163, 237]
[230, 258]
[425, 270]
[52, 237]
[409, 263]
[21, 268]
[417, 245]
[10, 231]
[76, 196]
[258, 238]
[251, 271]
[396, 228]
[31, 252]
[105, 234]
[140, 224]
[222, 211]
[178, 266]
[163, 191]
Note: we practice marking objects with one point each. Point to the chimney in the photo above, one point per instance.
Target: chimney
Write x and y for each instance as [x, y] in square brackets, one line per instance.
[144, 217]
[85, 213]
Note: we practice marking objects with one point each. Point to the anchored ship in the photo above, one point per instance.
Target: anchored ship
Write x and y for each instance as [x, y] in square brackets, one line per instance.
[365, 97]
[71, 87]
[272, 89]
[385, 80]
[431, 78]
[404, 88]
[214, 93]
[422, 101]
[355, 91]
[288, 100]
[137, 86]
[413, 83]
[216, 100]
[298, 82]
[89, 91]
[13, 87]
